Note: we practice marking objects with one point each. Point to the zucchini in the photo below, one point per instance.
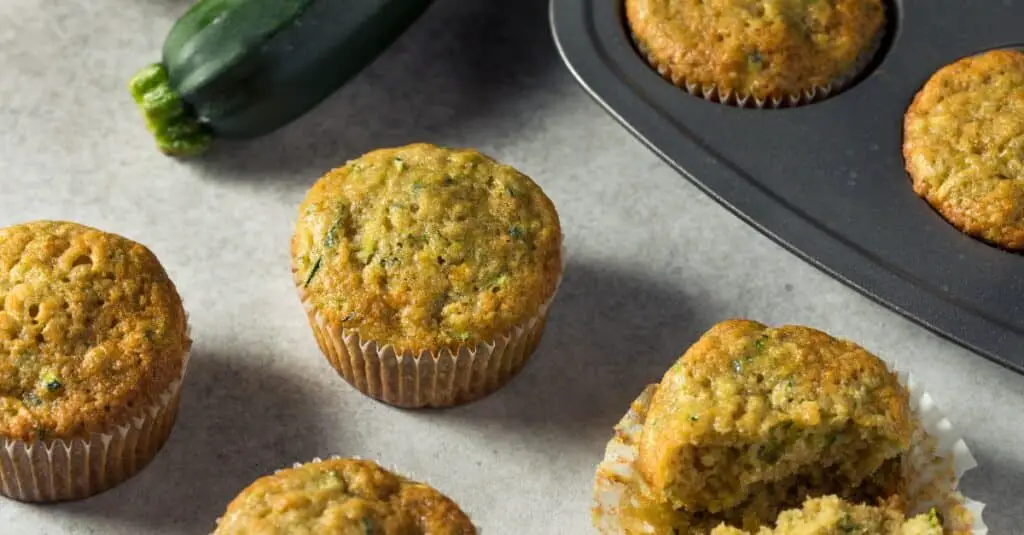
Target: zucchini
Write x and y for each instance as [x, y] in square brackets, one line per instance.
[243, 68]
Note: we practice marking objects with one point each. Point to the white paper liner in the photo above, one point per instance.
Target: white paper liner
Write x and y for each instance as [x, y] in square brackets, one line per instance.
[931, 469]
[937, 460]
[712, 93]
[62, 470]
[441, 379]
[392, 469]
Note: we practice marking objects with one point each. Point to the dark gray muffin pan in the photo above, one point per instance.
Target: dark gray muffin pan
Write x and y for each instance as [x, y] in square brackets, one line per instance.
[826, 180]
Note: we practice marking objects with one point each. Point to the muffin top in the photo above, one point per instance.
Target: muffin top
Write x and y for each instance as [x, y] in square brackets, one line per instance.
[91, 330]
[830, 515]
[343, 497]
[748, 404]
[769, 49]
[964, 145]
[422, 248]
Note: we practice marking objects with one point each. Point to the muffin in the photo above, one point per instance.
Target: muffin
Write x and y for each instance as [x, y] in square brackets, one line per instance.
[831, 516]
[427, 272]
[96, 345]
[343, 497]
[752, 421]
[627, 503]
[761, 52]
[748, 405]
[964, 145]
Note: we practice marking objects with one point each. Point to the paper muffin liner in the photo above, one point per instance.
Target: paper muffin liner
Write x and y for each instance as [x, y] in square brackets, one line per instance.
[713, 93]
[61, 470]
[432, 378]
[393, 469]
[931, 469]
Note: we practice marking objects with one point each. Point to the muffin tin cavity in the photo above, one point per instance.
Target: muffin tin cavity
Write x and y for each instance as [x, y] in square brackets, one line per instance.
[828, 181]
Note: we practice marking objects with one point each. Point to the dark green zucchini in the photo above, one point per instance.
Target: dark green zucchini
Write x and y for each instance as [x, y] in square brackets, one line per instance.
[243, 68]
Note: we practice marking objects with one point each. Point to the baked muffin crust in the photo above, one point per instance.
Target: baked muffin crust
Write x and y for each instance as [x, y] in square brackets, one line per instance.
[344, 497]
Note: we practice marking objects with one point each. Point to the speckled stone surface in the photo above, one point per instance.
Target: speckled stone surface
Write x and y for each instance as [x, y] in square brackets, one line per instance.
[652, 262]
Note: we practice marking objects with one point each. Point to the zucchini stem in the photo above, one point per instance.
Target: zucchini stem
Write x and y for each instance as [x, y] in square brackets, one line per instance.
[178, 131]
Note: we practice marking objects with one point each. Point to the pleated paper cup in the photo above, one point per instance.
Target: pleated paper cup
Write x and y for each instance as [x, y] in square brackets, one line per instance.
[714, 93]
[442, 378]
[810, 95]
[930, 470]
[61, 470]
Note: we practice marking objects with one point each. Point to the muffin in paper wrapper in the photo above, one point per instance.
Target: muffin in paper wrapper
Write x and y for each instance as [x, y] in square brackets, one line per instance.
[930, 470]
[809, 95]
[444, 378]
[61, 470]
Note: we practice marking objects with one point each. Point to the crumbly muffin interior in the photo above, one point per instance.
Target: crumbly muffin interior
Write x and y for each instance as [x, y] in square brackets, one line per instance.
[421, 247]
[91, 328]
[829, 515]
[341, 496]
[749, 406]
[645, 513]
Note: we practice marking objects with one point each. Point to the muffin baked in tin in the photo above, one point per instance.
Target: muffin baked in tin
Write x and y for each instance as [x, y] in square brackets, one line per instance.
[758, 52]
[964, 145]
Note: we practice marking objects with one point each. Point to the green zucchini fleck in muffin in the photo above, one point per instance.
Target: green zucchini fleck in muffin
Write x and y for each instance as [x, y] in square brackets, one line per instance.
[830, 515]
[443, 260]
[93, 345]
[779, 52]
[964, 145]
[341, 497]
[748, 406]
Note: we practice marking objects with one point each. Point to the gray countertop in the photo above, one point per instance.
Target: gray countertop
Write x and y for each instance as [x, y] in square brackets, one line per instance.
[652, 263]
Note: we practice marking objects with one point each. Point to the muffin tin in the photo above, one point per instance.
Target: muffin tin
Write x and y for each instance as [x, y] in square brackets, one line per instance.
[826, 180]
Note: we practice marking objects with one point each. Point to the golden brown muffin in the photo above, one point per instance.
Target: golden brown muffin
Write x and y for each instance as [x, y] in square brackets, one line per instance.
[93, 336]
[425, 250]
[92, 328]
[626, 504]
[422, 247]
[832, 516]
[964, 145]
[749, 405]
[772, 50]
[341, 497]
